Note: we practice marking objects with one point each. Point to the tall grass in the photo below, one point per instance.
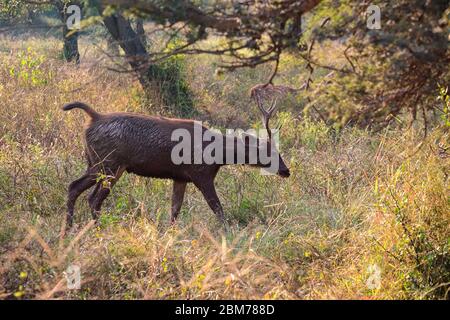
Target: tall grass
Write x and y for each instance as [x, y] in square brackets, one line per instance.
[355, 200]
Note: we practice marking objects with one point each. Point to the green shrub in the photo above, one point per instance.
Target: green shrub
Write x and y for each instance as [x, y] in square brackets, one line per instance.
[173, 86]
[29, 69]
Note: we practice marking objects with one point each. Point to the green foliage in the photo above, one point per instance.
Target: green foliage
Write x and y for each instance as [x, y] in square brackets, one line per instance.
[20, 12]
[29, 69]
[245, 211]
[387, 72]
[10, 10]
[173, 87]
[422, 220]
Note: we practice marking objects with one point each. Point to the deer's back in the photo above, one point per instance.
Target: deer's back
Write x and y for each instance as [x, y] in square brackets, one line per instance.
[141, 144]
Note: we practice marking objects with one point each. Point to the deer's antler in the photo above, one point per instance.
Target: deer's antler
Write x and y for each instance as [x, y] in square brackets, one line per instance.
[266, 113]
[268, 91]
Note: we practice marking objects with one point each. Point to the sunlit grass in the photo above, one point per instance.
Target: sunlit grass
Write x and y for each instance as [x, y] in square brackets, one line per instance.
[354, 200]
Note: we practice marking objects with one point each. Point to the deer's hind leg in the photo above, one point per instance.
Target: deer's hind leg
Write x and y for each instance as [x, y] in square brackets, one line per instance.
[102, 190]
[76, 188]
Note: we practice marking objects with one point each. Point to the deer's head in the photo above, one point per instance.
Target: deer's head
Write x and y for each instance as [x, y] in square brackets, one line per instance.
[267, 146]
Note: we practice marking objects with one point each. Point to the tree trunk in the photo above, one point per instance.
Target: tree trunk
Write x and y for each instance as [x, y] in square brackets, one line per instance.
[140, 31]
[112, 46]
[167, 82]
[135, 52]
[30, 15]
[70, 49]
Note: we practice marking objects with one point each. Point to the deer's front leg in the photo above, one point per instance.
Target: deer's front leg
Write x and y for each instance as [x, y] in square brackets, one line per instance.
[177, 198]
[209, 193]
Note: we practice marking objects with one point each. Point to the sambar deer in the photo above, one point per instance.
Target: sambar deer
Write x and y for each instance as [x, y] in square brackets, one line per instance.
[141, 144]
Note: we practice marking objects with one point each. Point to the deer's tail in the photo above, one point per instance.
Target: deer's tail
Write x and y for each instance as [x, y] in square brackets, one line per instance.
[79, 105]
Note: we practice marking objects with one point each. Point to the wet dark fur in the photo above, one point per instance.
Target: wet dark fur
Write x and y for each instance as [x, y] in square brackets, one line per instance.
[140, 144]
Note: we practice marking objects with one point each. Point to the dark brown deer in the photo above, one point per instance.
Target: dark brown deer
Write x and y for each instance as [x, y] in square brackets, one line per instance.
[140, 144]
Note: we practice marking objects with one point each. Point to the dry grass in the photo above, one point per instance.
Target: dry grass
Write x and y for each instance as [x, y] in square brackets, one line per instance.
[354, 200]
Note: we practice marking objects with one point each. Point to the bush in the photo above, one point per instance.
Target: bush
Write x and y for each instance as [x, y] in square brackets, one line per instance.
[173, 87]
